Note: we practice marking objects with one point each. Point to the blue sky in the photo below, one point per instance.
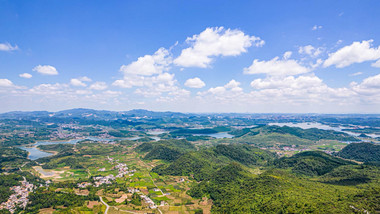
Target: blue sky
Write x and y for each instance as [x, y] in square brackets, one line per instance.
[191, 56]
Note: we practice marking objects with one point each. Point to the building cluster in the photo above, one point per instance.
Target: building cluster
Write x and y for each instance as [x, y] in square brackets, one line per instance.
[84, 184]
[19, 198]
[149, 201]
[122, 171]
[133, 190]
[104, 180]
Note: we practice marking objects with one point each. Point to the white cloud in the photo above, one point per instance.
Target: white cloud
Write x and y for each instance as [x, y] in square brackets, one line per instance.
[310, 50]
[195, 83]
[287, 54]
[83, 92]
[50, 89]
[6, 83]
[232, 84]
[299, 83]
[372, 82]
[276, 67]
[229, 92]
[376, 64]
[98, 86]
[149, 65]
[7, 47]
[217, 90]
[77, 82]
[149, 74]
[25, 75]
[46, 70]
[214, 42]
[316, 27]
[368, 87]
[357, 52]
[85, 79]
[356, 74]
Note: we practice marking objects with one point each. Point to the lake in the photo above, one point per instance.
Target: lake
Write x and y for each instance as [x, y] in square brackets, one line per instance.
[217, 135]
[35, 153]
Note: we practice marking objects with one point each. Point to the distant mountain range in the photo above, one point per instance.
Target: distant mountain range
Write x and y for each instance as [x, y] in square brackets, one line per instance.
[136, 114]
[89, 114]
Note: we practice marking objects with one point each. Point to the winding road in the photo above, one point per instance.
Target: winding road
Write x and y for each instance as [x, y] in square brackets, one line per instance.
[108, 206]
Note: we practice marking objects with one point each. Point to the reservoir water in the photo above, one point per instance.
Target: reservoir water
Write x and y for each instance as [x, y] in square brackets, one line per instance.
[35, 153]
[217, 135]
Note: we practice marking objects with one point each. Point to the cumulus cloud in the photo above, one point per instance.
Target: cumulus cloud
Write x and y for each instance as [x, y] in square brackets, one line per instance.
[7, 47]
[195, 83]
[310, 50]
[80, 81]
[229, 91]
[276, 67]
[217, 90]
[77, 82]
[149, 74]
[214, 42]
[6, 83]
[98, 86]
[232, 84]
[85, 79]
[149, 65]
[50, 89]
[46, 70]
[301, 82]
[357, 52]
[25, 75]
[368, 87]
[376, 64]
[287, 54]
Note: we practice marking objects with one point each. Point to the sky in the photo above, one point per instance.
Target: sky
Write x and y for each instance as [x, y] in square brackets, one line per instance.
[301, 56]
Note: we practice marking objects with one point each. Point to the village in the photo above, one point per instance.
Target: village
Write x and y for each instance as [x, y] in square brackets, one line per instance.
[19, 198]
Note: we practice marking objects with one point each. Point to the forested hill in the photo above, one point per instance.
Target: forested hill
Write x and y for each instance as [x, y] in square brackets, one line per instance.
[311, 163]
[201, 164]
[168, 150]
[363, 152]
[312, 134]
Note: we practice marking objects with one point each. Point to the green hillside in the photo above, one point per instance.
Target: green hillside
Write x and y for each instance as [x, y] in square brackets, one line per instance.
[202, 164]
[311, 163]
[363, 152]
